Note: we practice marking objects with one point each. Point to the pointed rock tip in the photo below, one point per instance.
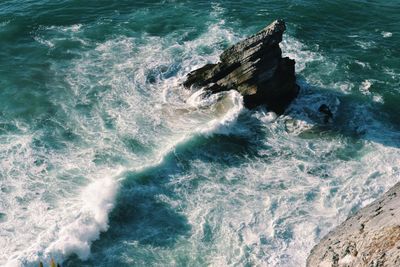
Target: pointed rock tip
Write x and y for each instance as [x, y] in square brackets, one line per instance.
[276, 25]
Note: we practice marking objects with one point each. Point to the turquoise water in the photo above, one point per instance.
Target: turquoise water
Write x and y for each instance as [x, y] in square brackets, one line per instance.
[105, 160]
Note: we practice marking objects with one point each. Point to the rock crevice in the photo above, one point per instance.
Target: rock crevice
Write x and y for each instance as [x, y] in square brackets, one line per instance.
[255, 68]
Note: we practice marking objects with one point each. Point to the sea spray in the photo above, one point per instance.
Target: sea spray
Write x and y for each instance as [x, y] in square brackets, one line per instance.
[88, 92]
[76, 237]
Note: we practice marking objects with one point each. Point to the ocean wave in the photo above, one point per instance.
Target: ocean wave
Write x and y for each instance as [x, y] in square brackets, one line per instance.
[127, 76]
[121, 109]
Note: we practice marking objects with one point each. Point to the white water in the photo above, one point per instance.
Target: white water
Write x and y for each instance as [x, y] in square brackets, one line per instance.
[269, 209]
[69, 208]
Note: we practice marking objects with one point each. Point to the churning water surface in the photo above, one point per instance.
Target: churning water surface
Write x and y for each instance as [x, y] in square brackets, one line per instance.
[106, 160]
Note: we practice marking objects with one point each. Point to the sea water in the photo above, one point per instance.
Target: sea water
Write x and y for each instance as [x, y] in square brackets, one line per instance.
[106, 160]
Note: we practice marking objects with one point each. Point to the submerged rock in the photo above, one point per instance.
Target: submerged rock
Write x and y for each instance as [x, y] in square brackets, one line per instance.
[255, 68]
[371, 237]
[327, 112]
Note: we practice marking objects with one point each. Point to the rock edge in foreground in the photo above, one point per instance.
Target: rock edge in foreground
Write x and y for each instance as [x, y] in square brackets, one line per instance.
[255, 68]
[371, 237]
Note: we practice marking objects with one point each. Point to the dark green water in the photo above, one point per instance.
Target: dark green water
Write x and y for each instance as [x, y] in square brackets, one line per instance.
[106, 161]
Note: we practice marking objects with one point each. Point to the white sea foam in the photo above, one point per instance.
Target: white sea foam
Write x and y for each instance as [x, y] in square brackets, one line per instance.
[365, 90]
[226, 112]
[386, 34]
[44, 42]
[271, 209]
[393, 74]
[363, 64]
[72, 28]
[77, 194]
[311, 185]
[97, 201]
[378, 99]
[365, 44]
[296, 50]
[365, 86]
[308, 193]
[344, 87]
[4, 23]
[268, 210]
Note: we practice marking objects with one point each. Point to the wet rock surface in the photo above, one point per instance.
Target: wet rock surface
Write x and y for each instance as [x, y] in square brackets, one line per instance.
[255, 68]
[371, 237]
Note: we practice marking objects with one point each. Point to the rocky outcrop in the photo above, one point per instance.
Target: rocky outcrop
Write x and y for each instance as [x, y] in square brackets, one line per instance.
[255, 68]
[370, 238]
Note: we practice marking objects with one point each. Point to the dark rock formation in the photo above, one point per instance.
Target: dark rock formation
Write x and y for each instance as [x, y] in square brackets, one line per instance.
[327, 112]
[255, 68]
[371, 237]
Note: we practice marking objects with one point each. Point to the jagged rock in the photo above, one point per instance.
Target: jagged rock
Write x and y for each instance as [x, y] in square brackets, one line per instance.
[255, 68]
[371, 237]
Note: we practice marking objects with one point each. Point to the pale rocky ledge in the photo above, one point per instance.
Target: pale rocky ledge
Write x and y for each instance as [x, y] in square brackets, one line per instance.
[371, 237]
